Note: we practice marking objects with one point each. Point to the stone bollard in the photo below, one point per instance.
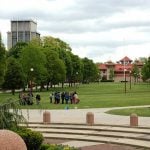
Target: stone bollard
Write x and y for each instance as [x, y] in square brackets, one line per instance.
[133, 120]
[46, 117]
[90, 119]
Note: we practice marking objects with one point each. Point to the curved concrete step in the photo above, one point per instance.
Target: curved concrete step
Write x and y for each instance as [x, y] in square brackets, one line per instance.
[138, 137]
[104, 139]
[95, 128]
[94, 133]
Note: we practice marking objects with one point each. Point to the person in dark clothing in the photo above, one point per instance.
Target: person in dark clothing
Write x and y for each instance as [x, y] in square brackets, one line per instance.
[51, 97]
[38, 98]
[66, 97]
[62, 97]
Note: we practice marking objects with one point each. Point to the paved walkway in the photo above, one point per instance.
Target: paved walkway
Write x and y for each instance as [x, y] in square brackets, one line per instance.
[79, 116]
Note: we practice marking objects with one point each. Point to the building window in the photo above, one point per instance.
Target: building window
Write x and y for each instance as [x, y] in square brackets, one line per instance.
[14, 38]
[20, 36]
[27, 36]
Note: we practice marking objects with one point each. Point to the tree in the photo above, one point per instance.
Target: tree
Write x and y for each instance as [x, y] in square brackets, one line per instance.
[32, 56]
[77, 66]
[16, 50]
[111, 74]
[14, 77]
[10, 115]
[2, 61]
[55, 67]
[55, 44]
[63, 50]
[146, 69]
[90, 71]
[135, 72]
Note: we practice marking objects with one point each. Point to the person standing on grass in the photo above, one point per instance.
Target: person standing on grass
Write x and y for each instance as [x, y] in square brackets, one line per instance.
[66, 97]
[51, 97]
[76, 98]
[62, 97]
[38, 98]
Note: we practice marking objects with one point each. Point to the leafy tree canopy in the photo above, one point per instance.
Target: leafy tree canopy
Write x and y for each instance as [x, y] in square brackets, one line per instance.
[17, 49]
[2, 61]
[14, 77]
[146, 69]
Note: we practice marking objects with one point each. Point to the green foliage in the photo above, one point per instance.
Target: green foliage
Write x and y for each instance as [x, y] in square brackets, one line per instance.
[16, 50]
[57, 147]
[55, 67]
[33, 57]
[111, 74]
[14, 77]
[2, 61]
[77, 66]
[55, 44]
[135, 72]
[32, 139]
[63, 52]
[146, 70]
[90, 71]
[10, 115]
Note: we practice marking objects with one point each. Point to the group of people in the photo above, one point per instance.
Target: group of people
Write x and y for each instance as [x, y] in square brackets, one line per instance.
[64, 97]
[56, 98]
[27, 98]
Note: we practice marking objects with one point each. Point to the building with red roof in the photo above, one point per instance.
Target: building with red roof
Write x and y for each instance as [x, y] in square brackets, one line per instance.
[120, 69]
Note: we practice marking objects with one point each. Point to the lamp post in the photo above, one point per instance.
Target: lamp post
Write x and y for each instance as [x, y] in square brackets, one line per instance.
[76, 78]
[125, 84]
[135, 77]
[130, 80]
[31, 85]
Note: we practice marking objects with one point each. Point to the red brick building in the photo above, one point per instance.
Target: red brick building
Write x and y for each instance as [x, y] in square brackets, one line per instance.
[120, 69]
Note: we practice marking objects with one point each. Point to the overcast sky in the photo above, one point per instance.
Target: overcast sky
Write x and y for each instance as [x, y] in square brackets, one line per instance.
[101, 30]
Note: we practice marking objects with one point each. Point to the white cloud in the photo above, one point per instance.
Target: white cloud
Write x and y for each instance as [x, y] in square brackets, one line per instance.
[98, 29]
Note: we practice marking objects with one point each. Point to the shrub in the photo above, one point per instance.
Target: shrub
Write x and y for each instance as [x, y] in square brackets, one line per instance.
[57, 147]
[32, 139]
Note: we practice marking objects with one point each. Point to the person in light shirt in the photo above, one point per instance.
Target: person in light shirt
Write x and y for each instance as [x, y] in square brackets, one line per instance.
[75, 98]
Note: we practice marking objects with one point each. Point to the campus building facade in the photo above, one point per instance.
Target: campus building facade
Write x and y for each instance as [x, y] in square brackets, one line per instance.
[120, 69]
[21, 31]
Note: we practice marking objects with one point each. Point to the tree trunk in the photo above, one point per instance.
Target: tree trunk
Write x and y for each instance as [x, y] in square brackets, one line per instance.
[47, 86]
[62, 84]
[13, 91]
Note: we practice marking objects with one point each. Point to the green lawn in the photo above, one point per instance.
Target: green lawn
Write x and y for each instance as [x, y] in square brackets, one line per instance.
[96, 95]
[126, 112]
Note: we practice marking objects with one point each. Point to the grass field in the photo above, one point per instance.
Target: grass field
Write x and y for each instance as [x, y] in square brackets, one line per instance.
[95, 95]
[126, 112]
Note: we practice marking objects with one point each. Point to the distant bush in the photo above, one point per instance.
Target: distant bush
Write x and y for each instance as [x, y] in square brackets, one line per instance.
[123, 81]
[107, 80]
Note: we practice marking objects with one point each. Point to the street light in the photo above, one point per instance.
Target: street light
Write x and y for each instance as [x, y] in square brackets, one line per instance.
[76, 78]
[135, 77]
[31, 85]
[125, 85]
[130, 80]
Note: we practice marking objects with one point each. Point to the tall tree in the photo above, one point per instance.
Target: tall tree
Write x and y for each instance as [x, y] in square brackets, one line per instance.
[135, 72]
[16, 50]
[55, 67]
[90, 70]
[63, 49]
[14, 77]
[33, 57]
[2, 61]
[77, 66]
[111, 74]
